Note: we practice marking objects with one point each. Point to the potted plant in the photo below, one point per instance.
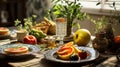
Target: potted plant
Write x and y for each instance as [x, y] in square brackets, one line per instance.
[70, 10]
[103, 34]
[100, 35]
[24, 28]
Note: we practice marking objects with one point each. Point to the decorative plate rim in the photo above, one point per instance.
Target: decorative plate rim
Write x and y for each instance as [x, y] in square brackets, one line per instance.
[33, 48]
[48, 55]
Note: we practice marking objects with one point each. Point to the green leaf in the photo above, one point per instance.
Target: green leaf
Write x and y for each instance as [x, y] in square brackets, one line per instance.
[78, 25]
[73, 25]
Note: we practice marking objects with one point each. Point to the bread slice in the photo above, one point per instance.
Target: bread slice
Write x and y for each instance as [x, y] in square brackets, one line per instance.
[16, 50]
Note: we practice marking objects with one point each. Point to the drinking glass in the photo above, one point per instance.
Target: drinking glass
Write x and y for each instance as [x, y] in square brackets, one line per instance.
[61, 28]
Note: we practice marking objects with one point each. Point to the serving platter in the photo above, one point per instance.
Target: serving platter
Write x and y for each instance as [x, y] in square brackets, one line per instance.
[32, 49]
[52, 56]
[5, 36]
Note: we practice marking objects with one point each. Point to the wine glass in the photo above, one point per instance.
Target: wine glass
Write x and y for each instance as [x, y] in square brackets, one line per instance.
[61, 28]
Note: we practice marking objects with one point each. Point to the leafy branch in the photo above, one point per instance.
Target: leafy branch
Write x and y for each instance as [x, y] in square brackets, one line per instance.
[67, 9]
[99, 23]
[27, 24]
[70, 10]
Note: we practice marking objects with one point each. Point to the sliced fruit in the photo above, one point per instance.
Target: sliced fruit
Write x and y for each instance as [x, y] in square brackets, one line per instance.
[65, 52]
[16, 50]
[69, 44]
[76, 50]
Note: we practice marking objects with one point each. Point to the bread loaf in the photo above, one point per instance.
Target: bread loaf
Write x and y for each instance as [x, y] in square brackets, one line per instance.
[52, 28]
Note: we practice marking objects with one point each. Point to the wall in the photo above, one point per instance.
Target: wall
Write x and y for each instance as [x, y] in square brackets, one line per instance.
[10, 10]
[40, 11]
[37, 7]
[91, 27]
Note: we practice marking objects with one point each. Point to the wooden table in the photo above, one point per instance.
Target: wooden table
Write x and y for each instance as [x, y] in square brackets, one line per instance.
[38, 60]
[42, 62]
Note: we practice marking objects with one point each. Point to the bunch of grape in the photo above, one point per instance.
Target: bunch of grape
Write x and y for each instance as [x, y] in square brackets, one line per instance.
[38, 34]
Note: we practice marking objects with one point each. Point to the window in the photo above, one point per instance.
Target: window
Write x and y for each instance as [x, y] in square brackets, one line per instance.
[104, 7]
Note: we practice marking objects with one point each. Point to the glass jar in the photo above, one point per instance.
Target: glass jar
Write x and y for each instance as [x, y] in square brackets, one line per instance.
[61, 28]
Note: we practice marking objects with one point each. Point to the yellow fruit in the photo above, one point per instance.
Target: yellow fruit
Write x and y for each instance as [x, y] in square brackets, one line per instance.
[68, 44]
[82, 37]
[65, 52]
[76, 50]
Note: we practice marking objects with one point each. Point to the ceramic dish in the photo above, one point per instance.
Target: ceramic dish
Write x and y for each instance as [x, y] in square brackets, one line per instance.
[32, 49]
[4, 36]
[51, 55]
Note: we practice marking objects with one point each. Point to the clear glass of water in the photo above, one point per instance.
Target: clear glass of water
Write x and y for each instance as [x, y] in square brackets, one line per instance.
[61, 28]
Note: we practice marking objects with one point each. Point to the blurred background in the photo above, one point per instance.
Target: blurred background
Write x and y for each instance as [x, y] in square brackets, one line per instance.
[10, 10]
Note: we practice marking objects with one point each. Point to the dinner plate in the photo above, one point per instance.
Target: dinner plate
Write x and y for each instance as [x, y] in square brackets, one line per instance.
[5, 36]
[32, 49]
[52, 56]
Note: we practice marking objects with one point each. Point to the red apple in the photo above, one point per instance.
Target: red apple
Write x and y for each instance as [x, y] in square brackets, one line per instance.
[30, 39]
[82, 55]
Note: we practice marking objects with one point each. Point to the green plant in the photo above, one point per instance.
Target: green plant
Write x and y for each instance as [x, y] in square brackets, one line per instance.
[70, 10]
[27, 24]
[99, 23]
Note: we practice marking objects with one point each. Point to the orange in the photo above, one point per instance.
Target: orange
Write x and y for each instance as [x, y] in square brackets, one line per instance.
[117, 39]
[68, 44]
[65, 52]
[76, 50]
